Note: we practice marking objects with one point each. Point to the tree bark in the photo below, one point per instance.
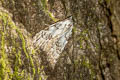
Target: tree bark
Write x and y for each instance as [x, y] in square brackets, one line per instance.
[92, 53]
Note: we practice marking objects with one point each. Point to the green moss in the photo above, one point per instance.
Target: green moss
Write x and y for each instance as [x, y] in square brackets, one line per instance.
[19, 58]
[32, 64]
[25, 51]
[45, 6]
[17, 74]
[24, 47]
[82, 37]
[4, 69]
[108, 1]
[74, 29]
[87, 64]
[23, 43]
[40, 78]
[51, 16]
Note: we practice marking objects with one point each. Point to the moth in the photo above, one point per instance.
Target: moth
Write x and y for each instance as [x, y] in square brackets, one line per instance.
[54, 39]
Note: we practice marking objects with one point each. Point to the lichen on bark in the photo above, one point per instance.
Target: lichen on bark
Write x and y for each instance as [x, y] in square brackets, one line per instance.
[17, 58]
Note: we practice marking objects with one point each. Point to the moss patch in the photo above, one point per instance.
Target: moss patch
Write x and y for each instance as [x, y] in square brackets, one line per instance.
[45, 6]
[16, 57]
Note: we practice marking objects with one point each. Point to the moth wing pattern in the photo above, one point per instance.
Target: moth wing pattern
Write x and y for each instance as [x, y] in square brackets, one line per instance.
[53, 40]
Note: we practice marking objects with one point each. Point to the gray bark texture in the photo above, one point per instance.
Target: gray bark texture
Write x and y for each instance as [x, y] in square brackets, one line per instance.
[92, 52]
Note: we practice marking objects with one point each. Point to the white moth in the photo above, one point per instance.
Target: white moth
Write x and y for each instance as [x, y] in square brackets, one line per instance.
[53, 40]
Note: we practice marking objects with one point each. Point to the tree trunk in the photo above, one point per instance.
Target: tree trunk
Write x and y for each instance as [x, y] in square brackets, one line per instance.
[92, 53]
